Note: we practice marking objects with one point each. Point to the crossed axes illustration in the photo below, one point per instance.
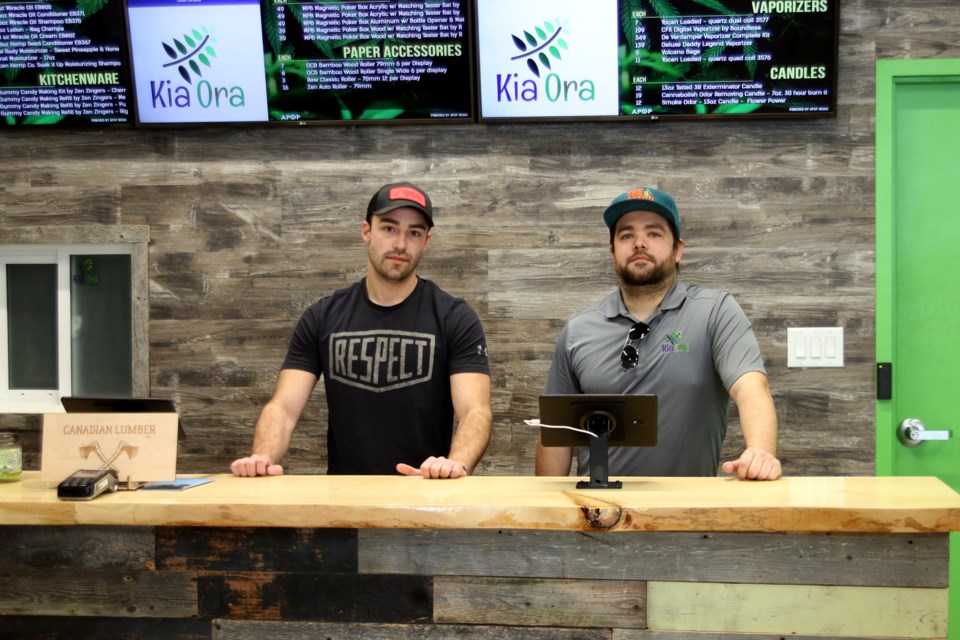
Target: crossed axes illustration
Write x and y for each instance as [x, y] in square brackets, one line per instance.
[94, 447]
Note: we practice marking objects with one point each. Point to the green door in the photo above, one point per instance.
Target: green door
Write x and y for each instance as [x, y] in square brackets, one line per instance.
[918, 278]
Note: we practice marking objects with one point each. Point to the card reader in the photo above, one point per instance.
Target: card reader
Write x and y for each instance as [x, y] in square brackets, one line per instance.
[87, 484]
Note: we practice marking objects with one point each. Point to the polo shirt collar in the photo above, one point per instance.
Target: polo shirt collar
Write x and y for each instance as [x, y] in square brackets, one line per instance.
[674, 299]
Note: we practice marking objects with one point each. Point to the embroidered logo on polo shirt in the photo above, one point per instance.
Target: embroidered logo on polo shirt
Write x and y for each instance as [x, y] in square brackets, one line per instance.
[381, 360]
[673, 344]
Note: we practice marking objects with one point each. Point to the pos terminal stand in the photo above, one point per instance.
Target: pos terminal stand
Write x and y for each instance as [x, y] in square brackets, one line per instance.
[602, 424]
[598, 422]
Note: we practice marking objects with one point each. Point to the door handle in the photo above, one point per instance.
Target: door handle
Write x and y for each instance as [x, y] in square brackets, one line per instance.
[911, 433]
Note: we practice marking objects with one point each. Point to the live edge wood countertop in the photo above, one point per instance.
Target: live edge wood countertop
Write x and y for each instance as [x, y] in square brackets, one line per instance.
[791, 504]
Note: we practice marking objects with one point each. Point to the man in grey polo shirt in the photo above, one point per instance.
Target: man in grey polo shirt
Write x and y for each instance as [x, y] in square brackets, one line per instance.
[692, 347]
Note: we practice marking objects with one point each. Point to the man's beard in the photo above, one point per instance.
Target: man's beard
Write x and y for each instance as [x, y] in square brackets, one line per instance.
[390, 271]
[658, 273]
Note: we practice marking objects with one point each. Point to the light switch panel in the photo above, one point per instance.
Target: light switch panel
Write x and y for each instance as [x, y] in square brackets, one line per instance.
[815, 346]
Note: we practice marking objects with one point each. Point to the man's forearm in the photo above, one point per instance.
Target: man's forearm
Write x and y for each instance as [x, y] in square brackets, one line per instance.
[758, 415]
[553, 461]
[472, 437]
[273, 433]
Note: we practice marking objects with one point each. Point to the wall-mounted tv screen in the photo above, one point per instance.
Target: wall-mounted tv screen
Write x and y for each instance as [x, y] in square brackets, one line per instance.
[652, 59]
[63, 62]
[199, 61]
[311, 61]
[335, 61]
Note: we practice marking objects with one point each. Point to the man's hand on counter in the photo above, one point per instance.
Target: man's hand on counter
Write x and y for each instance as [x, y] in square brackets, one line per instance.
[434, 467]
[754, 464]
[255, 465]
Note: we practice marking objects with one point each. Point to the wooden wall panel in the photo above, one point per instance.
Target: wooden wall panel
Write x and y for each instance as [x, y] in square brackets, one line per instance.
[211, 582]
[249, 225]
[805, 610]
[86, 628]
[529, 601]
[111, 592]
[257, 630]
[836, 559]
[334, 597]
[654, 634]
[77, 547]
[257, 549]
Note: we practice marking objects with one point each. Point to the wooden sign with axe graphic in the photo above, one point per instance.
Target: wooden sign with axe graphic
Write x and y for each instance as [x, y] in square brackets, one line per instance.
[140, 447]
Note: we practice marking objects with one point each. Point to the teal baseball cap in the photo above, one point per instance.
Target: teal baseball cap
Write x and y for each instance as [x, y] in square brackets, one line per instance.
[643, 199]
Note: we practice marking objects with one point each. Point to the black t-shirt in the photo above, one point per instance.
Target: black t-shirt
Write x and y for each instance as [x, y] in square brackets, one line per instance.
[386, 372]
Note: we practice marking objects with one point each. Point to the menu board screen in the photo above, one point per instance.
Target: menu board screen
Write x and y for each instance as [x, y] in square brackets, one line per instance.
[63, 63]
[759, 57]
[344, 61]
[197, 61]
[357, 61]
[646, 59]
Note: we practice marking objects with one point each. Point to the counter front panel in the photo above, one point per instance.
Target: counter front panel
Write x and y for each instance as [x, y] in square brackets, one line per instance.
[480, 558]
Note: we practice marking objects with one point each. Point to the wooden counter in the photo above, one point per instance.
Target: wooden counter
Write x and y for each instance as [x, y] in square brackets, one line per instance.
[484, 558]
[801, 504]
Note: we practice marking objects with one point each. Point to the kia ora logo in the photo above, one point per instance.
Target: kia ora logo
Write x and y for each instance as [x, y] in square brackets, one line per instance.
[675, 345]
[192, 54]
[541, 48]
[188, 52]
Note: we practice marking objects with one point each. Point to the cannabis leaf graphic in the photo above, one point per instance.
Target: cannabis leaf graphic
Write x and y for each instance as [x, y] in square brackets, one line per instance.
[90, 7]
[193, 51]
[535, 46]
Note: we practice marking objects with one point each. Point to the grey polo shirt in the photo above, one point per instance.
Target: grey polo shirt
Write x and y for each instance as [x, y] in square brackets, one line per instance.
[700, 344]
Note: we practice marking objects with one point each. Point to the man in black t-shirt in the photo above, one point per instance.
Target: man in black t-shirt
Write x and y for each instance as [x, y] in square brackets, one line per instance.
[399, 357]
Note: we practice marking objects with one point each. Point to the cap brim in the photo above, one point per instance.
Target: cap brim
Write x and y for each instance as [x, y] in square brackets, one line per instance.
[617, 210]
[400, 204]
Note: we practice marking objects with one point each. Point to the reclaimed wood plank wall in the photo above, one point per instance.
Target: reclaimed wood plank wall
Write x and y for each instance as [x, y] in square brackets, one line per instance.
[211, 582]
[249, 225]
